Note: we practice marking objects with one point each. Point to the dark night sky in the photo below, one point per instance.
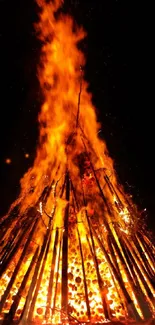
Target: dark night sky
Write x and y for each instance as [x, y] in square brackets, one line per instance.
[119, 64]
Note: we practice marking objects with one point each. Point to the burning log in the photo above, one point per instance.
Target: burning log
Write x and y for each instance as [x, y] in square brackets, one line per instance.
[6, 293]
[141, 268]
[30, 302]
[113, 191]
[13, 309]
[45, 249]
[147, 255]
[50, 287]
[8, 256]
[102, 285]
[129, 304]
[64, 291]
[57, 275]
[84, 278]
[143, 288]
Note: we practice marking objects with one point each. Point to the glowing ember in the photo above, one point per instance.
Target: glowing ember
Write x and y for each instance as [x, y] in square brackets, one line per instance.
[8, 161]
[72, 249]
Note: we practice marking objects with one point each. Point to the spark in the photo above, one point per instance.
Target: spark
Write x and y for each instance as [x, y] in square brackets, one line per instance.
[8, 161]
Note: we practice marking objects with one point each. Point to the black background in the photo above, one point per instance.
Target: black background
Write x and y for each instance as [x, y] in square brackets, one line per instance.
[119, 70]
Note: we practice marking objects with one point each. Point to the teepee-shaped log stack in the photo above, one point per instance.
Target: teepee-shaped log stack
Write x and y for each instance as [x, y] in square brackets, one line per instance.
[73, 263]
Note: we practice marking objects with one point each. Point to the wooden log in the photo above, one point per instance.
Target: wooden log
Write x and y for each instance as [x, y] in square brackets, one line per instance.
[140, 266]
[146, 252]
[10, 316]
[143, 290]
[13, 277]
[131, 208]
[141, 256]
[149, 251]
[7, 220]
[84, 277]
[50, 286]
[13, 235]
[57, 272]
[122, 302]
[42, 259]
[131, 307]
[115, 263]
[128, 275]
[11, 243]
[17, 243]
[64, 288]
[79, 98]
[100, 282]
[113, 191]
[24, 316]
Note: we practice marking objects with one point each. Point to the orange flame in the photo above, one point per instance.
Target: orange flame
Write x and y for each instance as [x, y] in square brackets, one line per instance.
[59, 75]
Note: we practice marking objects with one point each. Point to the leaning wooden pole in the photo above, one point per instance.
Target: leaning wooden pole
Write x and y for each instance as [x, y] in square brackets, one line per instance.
[57, 273]
[84, 278]
[33, 302]
[31, 296]
[141, 268]
[9, 317]
[13, 277]
[64, 288]
[143, 289]
[146, 252]
[131, 308]
[101, 284]
[50, 286]
[10, 255]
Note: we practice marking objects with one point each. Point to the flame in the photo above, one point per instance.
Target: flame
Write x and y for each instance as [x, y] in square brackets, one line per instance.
[59, 77]
[101, 216]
